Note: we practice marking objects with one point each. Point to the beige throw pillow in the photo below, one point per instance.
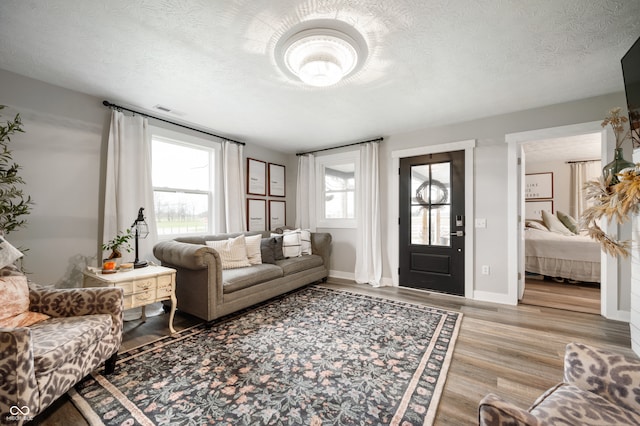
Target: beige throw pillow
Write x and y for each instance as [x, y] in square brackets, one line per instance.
[14, 311]
[554, 224]
[233, 252]
[569, 222]
[291, 243]
[254, 253]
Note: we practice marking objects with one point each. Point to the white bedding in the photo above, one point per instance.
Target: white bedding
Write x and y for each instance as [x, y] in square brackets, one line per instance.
[575, 257]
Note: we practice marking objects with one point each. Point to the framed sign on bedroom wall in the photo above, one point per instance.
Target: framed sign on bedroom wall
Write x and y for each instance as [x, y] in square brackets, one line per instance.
[276, 180]
[538, 186]
[256, 177]
[533, 209]
[256, 214]
[277, 214]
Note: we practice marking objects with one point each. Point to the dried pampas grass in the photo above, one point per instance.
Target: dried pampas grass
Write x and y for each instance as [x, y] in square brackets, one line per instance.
[612, 202]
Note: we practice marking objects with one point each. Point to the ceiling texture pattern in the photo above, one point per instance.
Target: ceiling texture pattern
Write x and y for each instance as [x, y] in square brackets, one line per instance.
[430, 62]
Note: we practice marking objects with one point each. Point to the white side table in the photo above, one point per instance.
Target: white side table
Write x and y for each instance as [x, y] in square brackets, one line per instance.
[141, 286]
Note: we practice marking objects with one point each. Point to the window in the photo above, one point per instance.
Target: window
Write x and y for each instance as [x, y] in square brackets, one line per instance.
[337, 185]
[184, 183]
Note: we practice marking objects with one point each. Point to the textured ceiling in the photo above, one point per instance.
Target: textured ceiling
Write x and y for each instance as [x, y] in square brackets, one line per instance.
[431, 62]
[572, 148]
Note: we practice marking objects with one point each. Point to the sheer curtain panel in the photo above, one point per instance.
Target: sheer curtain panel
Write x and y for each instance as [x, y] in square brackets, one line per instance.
[581, 173]
[128, 181]
[368, 268]
[306, 193]
[233, 187]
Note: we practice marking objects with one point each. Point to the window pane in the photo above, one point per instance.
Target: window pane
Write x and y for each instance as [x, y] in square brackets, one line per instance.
[339, 184]
[440, 226]
[181, 213]
[180, 166]
[419, 225]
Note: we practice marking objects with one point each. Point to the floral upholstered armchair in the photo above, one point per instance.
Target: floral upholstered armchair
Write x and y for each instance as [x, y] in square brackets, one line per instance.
[50, 339]
[599, 388]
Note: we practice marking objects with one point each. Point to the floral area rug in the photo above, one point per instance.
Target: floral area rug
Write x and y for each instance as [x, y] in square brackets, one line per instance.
[316, 356]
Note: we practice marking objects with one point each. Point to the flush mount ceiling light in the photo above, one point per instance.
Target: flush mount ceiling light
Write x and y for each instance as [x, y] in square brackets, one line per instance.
[321, 56]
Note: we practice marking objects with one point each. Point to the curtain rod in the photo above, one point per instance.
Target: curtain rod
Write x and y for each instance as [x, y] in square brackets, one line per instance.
[144, 114]
[341, 146]
[582, 161]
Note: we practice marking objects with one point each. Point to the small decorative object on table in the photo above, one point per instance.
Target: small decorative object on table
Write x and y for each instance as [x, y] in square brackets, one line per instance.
[116, 245]
[621, 131]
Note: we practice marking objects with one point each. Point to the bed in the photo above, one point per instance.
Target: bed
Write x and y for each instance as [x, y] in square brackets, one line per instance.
[572, 257]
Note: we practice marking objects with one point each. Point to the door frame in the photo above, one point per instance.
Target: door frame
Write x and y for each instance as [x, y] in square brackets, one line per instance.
[393, 209]
[515, 244]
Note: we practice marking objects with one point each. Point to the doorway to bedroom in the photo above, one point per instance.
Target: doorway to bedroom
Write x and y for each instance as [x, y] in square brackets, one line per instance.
[561, 263]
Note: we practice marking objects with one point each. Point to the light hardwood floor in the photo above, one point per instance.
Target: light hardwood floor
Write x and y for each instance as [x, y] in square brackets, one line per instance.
[579, 297]
[513, 351]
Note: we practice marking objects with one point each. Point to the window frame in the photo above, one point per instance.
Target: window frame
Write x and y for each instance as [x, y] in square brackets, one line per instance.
[322, 162]
[214, 149]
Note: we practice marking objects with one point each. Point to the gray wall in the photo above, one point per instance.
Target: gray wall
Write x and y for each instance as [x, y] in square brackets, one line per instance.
[62, 154]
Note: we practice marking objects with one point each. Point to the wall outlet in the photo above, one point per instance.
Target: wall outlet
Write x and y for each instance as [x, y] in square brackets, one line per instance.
[485, 269]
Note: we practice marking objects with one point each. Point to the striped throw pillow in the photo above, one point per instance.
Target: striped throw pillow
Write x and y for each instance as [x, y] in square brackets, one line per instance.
[233, 252]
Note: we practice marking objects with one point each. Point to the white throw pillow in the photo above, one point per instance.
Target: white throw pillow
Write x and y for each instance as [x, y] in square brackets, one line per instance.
[305, 240]
[554, 224]
[233, 252]
[8, 253]
[253, 249]
[292, 243]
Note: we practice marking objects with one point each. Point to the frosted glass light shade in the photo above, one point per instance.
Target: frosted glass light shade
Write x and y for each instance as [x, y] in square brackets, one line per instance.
[320, 57]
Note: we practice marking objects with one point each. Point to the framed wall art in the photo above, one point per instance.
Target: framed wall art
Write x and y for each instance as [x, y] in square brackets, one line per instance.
[538, 186]
[256, 215]
[276, 180]
[277, 214]
[256, 177]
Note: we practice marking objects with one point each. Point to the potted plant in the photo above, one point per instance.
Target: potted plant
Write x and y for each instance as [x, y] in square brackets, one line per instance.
[13, 203]
[120, 242]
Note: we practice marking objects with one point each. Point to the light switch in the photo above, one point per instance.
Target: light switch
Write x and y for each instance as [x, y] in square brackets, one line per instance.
[481, 223]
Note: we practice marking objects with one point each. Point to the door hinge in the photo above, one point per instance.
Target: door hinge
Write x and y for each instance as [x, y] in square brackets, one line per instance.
[398, 221]
[519, 276]
[398, 170]
[398, 271]
[519, 161]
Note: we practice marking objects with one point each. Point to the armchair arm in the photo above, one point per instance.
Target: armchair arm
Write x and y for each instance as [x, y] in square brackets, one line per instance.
[19, 386]
[495, 411]
[79, 302]
[605, 373]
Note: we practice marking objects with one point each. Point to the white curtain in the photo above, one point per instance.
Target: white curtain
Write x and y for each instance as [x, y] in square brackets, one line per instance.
[368, 248]
[581, 173]
[306, 193]
[128, 182]
[233, 187]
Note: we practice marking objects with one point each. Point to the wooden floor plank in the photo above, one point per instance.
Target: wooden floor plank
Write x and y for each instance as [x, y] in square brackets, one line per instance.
[514, 351]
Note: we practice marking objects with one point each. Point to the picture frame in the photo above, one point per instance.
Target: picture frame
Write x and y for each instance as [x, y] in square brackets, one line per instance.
[533, 209]
[256, 214]
[256, 177]
[538, 186]
[277, 214]
[277, 180]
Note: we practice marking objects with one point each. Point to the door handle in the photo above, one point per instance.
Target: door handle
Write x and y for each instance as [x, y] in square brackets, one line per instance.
[457, 234]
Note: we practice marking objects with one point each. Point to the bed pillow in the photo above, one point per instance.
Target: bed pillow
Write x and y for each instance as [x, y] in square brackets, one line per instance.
[554, 224]
[535, 224]
[569, 222]
[233, 252]
[254, 254]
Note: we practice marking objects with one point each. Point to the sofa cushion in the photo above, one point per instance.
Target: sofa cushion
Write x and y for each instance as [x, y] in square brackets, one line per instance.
[233, 252]
[277, 250]
[58, 340]
[297, 264]
[238, 279]
[567, 404]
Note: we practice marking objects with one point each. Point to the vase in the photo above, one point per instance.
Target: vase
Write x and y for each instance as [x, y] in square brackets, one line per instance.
[616, 166]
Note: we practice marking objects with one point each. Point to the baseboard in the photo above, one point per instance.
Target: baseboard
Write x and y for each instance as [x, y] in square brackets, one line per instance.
[384, 282]
[487, 296]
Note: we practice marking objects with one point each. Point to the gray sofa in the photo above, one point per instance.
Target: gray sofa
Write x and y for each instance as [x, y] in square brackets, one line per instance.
[205, 290]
